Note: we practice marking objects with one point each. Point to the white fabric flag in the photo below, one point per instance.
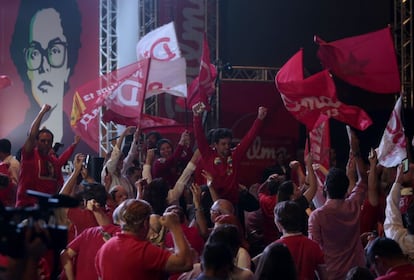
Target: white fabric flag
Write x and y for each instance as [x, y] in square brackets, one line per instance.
[167, 71]
[159, 44]
[392, 148]
[167, 76]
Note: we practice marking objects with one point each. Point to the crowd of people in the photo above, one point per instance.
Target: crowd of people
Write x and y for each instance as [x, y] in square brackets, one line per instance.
[180, 212]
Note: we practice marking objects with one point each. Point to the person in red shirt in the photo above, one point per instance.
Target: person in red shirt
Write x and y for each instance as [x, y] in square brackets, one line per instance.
[221, 161]
[40, 167]
[306, 253]
[388, 260]
[129, 255]
[79, 256]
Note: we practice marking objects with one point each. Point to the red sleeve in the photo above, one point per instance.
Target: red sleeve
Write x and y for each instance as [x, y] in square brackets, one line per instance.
[247, 140]
[64, 157]
[200, 137]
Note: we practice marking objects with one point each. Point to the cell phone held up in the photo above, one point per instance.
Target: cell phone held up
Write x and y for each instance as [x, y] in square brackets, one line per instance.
[86, 161]
[405, 165]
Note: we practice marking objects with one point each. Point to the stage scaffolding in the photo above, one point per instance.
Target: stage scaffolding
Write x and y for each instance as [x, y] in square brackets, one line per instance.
[107, 63]
[403, 32]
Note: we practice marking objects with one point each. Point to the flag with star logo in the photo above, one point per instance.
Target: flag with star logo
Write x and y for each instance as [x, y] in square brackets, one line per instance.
[367, 61]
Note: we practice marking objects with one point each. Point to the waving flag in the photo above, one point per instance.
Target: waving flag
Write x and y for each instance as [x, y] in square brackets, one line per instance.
[392, 148]
[203, 86]
[320, 145]
[314, 99]
[159, 44]
[167, 72]
[121, 91]
[367, 61]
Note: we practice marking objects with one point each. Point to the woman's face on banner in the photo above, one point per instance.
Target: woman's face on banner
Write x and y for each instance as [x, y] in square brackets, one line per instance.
[46, 58]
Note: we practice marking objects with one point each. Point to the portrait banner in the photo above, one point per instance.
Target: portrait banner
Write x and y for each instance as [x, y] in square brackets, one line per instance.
[46, 52]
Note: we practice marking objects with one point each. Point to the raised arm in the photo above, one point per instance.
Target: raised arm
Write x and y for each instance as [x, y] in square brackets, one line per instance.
[373, 178]
[64, 157]
[311, 178]
[146, 169]
[132, 153]
[359, 191]
[175, 193]
[30, 143]
[181, 259]
[70, 184]
[200, 219]
[393, 224]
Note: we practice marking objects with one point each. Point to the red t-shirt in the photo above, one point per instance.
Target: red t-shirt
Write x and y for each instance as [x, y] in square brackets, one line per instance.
[225, 171]
[126, 257]
[306, 254]
[40, 173]
[86, 245]
[193, 237]
[267, 205]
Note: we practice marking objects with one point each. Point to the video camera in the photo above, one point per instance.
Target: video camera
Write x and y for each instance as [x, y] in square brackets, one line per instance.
[15, 221]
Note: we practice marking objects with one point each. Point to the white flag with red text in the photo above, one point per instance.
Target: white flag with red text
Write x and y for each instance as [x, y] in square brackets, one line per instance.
[392, 148]
[167, 71]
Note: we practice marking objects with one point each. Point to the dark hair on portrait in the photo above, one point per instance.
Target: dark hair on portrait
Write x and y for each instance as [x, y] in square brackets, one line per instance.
[336, 183]
[5, 146]
[70, 17]
[221, 133]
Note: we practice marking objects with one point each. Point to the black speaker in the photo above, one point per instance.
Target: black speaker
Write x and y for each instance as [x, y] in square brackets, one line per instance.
[95, 166]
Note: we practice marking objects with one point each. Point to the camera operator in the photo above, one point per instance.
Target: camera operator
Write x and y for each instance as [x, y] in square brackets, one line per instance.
[32, 265]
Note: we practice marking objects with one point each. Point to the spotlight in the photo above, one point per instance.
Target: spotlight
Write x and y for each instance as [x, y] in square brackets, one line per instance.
[227, 67]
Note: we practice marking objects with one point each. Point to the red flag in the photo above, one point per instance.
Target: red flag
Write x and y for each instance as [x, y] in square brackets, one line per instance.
[392, 149]
[121, 90]
[367, 61]
[320, 145]
[314, 99]
[203, 86]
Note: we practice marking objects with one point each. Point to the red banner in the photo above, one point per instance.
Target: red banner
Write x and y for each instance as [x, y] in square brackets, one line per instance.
[121, 91]
[312, 99]
[203, 86]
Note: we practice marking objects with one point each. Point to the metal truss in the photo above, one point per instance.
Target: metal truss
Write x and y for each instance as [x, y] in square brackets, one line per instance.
[403, 32]
[107, 63]
[248, 73]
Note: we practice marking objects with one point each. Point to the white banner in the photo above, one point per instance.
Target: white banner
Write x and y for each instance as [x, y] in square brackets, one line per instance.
[392, 148]
[167, 76]
[159, 44]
